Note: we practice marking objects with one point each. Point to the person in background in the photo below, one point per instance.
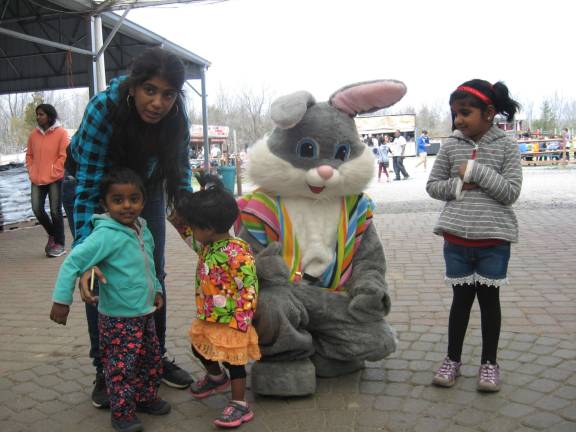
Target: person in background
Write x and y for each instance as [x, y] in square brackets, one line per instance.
[565, 144]
[398, 148]
[215, 154]
[383, 159]
[122, 246]
[479, 174]
[138, 122]
[423, 142]
[45, 157]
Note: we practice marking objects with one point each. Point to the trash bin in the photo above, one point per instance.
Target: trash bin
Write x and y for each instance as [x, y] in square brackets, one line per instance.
[228, 175]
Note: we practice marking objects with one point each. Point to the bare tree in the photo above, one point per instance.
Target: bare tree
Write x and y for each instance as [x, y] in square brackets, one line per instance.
[13, 130]
[247, 113]
[255, 107]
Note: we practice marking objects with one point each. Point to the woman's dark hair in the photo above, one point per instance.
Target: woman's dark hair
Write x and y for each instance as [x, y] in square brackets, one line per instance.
[120, 175]
[134, 142]
[213, 208]
[50, 112]
[497, 93]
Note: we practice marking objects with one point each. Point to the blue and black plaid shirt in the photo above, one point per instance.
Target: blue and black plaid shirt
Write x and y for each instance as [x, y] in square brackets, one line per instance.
[89, 148]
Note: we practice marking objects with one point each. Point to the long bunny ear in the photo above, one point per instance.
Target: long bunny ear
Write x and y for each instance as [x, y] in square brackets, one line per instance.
[368, 96]
[287, 111]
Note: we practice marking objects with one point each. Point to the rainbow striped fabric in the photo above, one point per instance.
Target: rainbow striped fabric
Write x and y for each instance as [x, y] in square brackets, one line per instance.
[266, 219]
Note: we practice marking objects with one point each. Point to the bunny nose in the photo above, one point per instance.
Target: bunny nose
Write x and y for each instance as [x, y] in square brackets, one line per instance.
[325, 171]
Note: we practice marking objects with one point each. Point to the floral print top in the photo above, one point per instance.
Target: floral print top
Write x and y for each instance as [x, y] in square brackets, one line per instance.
[226, 283]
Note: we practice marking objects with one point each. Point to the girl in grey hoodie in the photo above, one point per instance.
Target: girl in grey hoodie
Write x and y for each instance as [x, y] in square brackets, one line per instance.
[478, 173]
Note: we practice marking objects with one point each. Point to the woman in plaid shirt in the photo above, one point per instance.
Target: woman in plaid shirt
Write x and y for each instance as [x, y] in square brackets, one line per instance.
[138, 122]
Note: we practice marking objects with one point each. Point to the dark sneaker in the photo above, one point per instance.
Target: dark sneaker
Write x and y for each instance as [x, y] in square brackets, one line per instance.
[234, 415]
[99, 393]
[49, 245]
[127, 425]
[447, 373]
[56, 250]
[174, 376]
[207, 386]
[158, 407]
[488, 378]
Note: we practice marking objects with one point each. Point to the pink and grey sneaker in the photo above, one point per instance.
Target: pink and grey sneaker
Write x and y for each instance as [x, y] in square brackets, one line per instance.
[234, 415]
[488, 378]
[56, 250]
[207, 386]
[447, 373]
[49, 245]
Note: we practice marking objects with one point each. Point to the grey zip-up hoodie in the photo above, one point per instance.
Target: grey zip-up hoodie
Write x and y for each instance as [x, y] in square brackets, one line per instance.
[484, 212]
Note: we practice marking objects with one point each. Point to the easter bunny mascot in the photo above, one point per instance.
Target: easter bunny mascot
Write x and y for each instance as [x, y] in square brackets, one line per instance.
[320, 263]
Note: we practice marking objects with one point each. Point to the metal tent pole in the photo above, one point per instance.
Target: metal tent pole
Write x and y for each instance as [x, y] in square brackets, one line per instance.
[98, 65]
[205, 119]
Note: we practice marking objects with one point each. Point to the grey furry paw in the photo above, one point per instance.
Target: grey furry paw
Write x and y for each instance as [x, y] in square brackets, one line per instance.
[369, 307]
[270, 265]
[284, 378]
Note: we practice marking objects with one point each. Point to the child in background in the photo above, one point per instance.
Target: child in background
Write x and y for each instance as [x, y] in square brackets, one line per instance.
[383, 158]
[478, 173]
[122, 246]
[226, 296]
[422, 144]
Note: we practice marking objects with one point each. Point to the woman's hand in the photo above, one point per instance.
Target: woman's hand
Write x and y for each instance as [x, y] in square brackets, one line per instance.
[85, 284]
[159, 301]
[59, 313]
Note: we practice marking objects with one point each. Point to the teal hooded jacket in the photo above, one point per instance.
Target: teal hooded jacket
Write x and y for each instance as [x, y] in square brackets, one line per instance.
[126, 258]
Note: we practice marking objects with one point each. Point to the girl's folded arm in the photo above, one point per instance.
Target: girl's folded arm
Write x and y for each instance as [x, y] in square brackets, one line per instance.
[504, 188]
[440, 185]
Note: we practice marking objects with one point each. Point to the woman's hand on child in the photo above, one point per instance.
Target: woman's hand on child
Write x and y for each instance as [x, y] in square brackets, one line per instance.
[159, 301]
[85, 285]
[59, 313]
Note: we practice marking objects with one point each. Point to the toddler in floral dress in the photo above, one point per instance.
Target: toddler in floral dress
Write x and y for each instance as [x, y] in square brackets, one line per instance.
[226, 296]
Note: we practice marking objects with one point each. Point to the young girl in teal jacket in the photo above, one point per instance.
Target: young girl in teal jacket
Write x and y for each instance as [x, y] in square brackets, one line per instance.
[122, 247]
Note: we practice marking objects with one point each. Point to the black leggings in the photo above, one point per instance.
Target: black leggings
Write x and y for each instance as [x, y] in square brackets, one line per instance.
[491, 318]
[213, 367]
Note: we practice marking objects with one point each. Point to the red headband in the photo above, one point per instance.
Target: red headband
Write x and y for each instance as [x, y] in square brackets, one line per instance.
[476, 93]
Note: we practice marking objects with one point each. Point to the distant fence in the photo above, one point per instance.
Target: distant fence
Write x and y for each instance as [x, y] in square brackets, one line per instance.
[14, 195]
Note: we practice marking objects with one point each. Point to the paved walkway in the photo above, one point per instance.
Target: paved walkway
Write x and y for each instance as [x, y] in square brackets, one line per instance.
[46, 377]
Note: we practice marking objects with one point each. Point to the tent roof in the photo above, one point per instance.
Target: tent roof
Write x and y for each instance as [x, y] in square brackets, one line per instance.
[28, 66]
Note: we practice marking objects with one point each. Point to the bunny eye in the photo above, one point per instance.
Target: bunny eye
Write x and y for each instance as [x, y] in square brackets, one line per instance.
[342, 152]
[307, 148]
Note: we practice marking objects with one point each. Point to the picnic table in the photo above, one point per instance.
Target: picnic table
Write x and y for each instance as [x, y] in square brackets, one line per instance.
[544, 157]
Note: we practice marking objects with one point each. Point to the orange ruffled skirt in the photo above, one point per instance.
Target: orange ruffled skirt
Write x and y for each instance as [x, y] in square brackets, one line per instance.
[219, 342]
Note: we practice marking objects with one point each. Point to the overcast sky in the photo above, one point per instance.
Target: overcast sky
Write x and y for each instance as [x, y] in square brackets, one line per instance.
[431, 45]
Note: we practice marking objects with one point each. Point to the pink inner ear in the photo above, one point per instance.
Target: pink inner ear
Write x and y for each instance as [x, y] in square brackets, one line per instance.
[366, 97]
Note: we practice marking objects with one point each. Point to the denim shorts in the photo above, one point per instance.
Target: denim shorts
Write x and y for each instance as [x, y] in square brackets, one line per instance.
[468, 265]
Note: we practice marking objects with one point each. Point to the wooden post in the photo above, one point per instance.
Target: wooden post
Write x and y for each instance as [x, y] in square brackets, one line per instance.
[238, 165]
